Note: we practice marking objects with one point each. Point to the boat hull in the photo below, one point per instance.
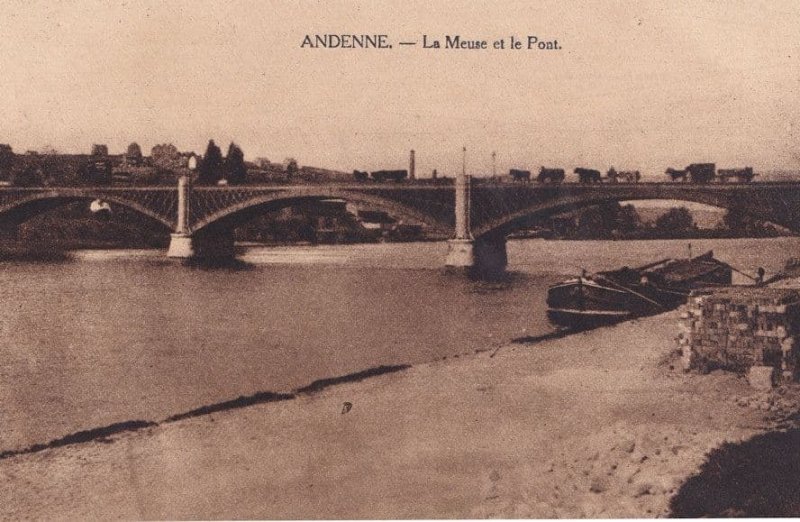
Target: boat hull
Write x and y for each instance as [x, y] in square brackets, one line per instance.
[588, 294]
[609, 297]
[582, 319]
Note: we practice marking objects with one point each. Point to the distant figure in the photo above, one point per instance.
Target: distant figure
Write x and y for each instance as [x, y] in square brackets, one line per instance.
[760, 276]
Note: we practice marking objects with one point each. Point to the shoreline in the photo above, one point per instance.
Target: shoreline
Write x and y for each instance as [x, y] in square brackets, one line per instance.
[163, 242]
[591, 424]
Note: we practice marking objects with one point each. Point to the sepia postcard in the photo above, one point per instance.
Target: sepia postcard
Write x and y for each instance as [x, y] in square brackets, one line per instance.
[399, 260]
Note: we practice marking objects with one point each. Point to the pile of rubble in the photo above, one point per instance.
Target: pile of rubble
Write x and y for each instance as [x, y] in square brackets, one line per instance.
[744, 329]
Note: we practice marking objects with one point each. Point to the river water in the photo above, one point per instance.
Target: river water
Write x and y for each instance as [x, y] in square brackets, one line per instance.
[111, 336]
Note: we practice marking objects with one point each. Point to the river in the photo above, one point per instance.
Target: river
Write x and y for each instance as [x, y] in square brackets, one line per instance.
[117, 335]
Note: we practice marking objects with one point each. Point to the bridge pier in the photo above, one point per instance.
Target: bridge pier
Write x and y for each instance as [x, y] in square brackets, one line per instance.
[461, 249]
[484, 256]
[210, 243]
[206, 245]
[460, 253]
[181, 244]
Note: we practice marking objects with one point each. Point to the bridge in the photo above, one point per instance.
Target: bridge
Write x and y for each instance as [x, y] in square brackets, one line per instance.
[477, 214]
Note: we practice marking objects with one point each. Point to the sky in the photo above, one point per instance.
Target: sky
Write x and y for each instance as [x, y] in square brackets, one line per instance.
[636, 85]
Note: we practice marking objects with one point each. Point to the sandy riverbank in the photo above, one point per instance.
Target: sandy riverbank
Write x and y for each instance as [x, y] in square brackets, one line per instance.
[595, 424]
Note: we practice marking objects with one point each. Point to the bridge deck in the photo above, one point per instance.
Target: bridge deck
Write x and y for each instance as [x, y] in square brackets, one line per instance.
[495, 207]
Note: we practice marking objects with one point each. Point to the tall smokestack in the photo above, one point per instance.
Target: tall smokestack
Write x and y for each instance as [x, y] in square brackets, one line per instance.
[411, 166]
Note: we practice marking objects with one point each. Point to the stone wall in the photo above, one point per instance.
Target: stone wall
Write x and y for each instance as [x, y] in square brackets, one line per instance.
[744, 329]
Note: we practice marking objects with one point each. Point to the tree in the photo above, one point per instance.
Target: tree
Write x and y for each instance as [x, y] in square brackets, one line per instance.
[739, 223]
[599, 221]
[628, 219]
[235, 170]
[609, 216]
[736, 219]
[99, 150]
[676, 221]
[6, 158]
[165, 156]
[592, 223]
[30, 176]
[211, 168]
[291, 167]
[96, 172]
[133, 156]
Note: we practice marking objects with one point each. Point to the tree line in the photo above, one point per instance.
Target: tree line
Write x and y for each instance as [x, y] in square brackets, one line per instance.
[615, 221]
[99, 167]
[213, 168]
